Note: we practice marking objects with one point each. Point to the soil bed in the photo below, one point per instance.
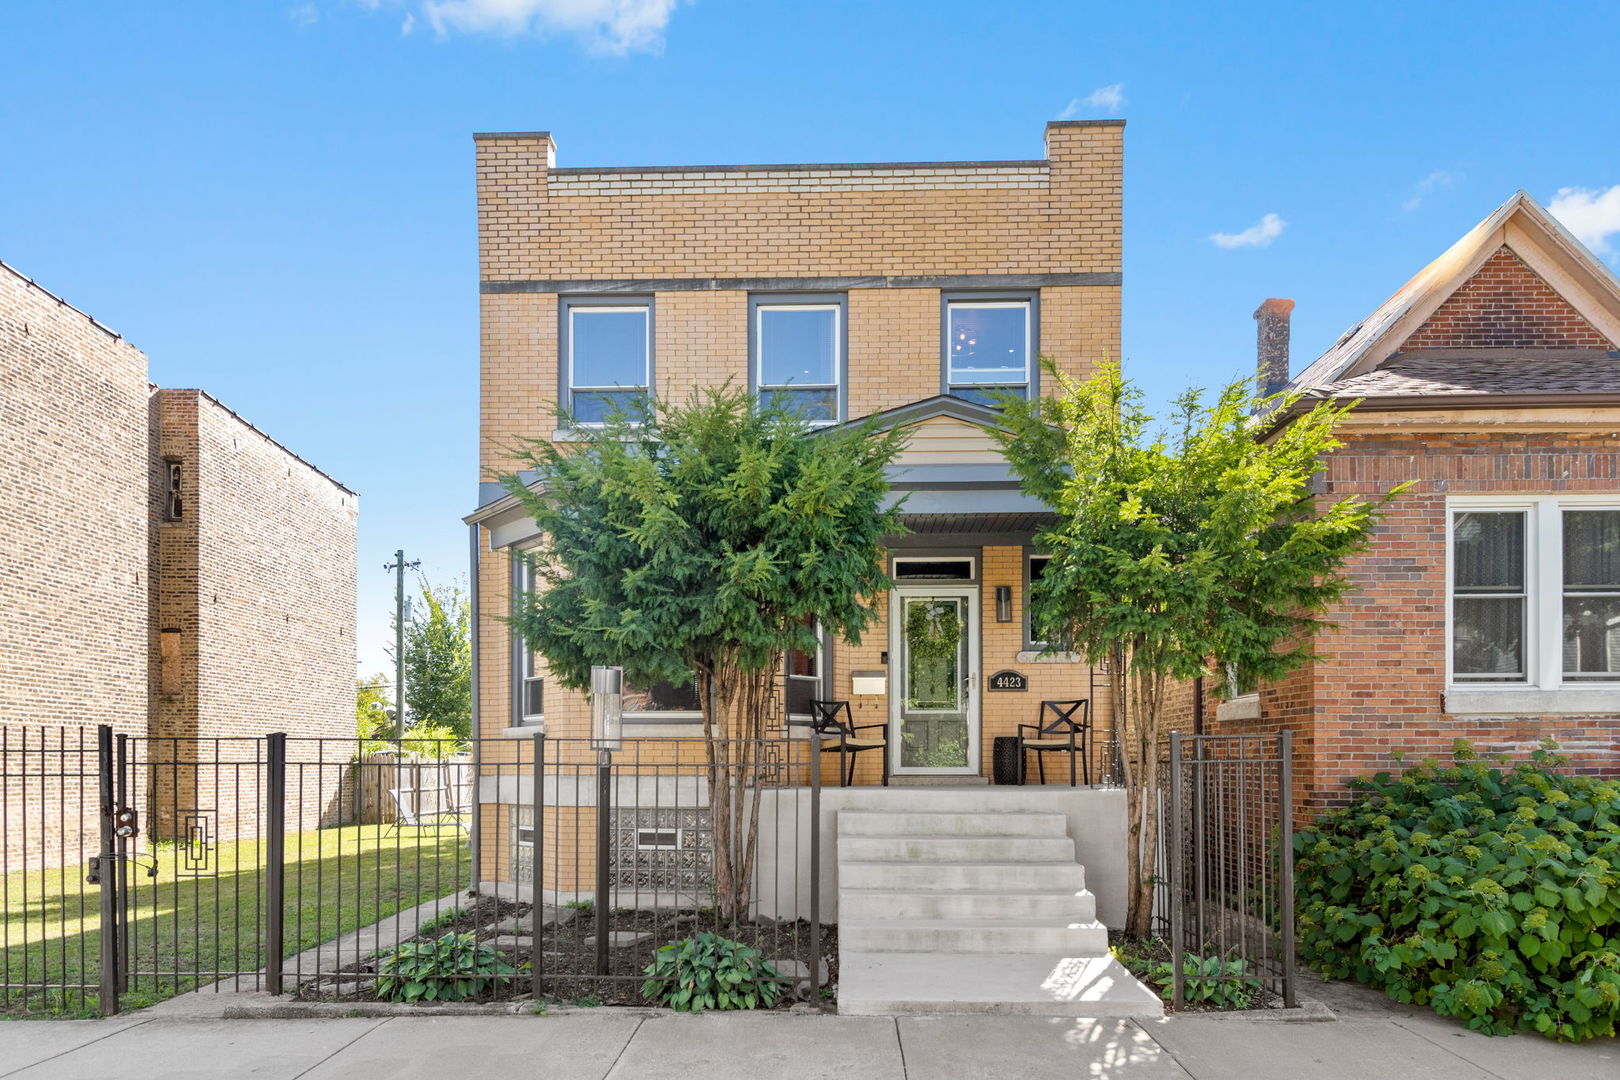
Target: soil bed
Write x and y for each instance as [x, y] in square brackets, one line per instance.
[568, 953]
[1141, 955]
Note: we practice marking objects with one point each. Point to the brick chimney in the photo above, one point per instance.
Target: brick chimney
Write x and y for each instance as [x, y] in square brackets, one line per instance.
[1271, 325]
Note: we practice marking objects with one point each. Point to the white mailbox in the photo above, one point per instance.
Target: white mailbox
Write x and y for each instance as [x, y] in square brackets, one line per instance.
[869, 682]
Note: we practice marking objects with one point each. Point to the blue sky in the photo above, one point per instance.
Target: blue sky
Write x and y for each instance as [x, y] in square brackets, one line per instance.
[274, 200]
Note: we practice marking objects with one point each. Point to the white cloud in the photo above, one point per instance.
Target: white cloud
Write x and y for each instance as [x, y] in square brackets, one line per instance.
[611, 26]
[1260, 234]
[304, 15]
[408, 25]
[1106, 98]
[1423, 188]
[1592, 215]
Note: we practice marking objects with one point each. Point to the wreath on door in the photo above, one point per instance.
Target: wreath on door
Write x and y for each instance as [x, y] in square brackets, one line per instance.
[933, 631]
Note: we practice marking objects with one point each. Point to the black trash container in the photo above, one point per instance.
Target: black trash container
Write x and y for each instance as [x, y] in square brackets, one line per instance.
[1006, 765]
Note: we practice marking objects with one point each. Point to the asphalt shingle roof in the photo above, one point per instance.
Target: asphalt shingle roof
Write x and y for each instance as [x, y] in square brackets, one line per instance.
[1453, 375]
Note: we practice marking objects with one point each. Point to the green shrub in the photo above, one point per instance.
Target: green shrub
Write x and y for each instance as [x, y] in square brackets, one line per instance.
[440, 921]
[452, 968]
[1210, 980]
[1490, 894]
[710, 972]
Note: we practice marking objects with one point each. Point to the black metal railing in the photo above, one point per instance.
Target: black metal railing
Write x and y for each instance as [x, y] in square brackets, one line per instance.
[1227, 865]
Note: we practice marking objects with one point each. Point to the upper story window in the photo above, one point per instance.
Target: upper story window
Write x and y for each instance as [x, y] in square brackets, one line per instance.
[989, 347]
[1535, 591]
[798, 354]
[608, 357]
[174, 504]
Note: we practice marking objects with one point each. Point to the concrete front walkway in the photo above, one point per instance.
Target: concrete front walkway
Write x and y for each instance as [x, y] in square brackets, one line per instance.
[598, 1044]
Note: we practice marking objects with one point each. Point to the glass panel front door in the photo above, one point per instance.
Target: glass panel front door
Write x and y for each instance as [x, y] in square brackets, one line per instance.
[935, 685]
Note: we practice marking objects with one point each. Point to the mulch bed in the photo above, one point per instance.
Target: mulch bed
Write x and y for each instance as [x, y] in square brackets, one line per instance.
[568, 953]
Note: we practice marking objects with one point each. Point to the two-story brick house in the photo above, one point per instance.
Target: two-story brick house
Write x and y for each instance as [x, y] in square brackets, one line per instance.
[904, 292]
[1488, 604]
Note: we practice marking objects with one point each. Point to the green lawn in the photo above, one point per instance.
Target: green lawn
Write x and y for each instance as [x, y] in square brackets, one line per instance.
[185, 927]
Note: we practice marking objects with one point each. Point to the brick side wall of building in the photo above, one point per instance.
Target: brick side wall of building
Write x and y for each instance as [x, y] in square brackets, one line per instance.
[73, 547]
[1506, 305]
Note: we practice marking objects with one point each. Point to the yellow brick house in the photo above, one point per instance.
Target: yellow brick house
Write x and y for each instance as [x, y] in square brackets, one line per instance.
[904, 291]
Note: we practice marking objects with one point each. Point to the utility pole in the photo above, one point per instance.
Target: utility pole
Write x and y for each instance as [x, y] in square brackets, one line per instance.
[399, 566]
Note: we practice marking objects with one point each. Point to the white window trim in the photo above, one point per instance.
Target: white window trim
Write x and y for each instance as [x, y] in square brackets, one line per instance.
[1029, 342]
[646, 354]
[761, 386]
[1545, 690]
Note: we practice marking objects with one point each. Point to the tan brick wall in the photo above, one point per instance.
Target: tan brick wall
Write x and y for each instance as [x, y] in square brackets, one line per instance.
[1506, 305]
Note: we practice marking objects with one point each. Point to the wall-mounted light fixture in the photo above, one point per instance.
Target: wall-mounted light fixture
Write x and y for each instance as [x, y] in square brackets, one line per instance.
[1003, 603]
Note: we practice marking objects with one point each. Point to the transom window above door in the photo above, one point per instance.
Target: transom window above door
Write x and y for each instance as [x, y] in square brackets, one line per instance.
[798, 361]
[609, 358]
[989, 348]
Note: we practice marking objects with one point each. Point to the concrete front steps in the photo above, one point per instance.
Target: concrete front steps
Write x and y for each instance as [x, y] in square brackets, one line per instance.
[945, 911]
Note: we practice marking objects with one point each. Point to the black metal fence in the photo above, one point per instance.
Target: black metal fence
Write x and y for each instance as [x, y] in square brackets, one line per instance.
[139, 868]
[1226, 897]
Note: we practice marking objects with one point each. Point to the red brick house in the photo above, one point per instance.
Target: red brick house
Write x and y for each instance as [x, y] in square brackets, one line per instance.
[1488, 605]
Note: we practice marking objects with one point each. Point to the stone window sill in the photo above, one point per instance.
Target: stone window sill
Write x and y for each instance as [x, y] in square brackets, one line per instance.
[1530, 701]
[1242, 707]
[1036, 656]
[525, 731]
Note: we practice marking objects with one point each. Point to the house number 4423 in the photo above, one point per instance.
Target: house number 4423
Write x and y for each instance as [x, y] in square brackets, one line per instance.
[1009, 680]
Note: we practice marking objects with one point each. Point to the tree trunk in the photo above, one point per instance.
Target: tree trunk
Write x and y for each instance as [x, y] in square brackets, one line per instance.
[733, 724]
[1144, 698]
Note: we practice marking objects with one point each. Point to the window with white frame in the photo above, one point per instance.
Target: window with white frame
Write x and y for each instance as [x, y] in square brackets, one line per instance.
[798, 356]
[1535, 591]
[531, 688]
[989, 347]
[609, 358]
[802, 682]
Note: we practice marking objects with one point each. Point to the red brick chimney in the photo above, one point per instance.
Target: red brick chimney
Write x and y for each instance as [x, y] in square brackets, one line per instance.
[1271, 325]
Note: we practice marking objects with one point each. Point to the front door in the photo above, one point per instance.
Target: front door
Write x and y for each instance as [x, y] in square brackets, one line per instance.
[934, 707]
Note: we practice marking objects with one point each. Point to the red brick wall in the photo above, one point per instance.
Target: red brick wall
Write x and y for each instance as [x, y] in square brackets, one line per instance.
[1379, 685]
[1506, 305]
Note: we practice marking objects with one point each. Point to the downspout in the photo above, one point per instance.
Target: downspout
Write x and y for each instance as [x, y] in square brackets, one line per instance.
[474, 551]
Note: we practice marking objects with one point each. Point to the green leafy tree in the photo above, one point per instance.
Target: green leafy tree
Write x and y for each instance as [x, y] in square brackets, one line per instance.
[438, 660]
[372, 708]
[1198, 551]
[701, 541]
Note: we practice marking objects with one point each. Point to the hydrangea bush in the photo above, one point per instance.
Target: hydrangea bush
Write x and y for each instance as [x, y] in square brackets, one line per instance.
[1489, 893]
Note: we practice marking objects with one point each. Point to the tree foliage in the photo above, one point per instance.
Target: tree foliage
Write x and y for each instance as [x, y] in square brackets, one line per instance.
[702, 540]
[1177, 554]
[438, 661]
[372, 709]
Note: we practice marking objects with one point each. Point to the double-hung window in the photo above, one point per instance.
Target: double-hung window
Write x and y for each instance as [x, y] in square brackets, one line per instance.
[1535, 594]
[607, 358]
[663, 700]
[529, 684]
[798, 355]
[989, 348]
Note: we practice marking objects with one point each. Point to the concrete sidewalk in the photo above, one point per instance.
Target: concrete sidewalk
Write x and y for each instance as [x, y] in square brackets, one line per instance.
[598, 1044]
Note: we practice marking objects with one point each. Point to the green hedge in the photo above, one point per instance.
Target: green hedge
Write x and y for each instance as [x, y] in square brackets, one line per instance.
[1490, 893]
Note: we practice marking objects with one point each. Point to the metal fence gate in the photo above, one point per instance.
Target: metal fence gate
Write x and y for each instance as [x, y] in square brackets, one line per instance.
[1227, 888]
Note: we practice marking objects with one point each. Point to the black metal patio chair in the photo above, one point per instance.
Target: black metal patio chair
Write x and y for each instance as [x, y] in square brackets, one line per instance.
[835, 729]
[1057, 731]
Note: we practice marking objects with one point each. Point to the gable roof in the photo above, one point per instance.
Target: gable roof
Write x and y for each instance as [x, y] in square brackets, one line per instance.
[927, 409]
[1521, 223]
